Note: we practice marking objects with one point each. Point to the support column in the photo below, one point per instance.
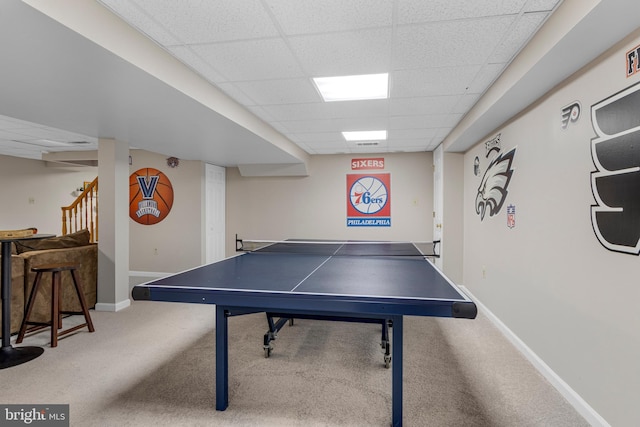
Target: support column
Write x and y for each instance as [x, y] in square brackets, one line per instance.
[113, 216]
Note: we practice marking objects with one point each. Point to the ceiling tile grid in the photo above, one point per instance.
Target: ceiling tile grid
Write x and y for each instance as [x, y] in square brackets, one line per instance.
[297, 17]
[416, 11]
[20, 138]
[441, 56]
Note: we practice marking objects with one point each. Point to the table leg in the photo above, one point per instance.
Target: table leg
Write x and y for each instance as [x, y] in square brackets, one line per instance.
[10, 356]
[396, 372]
[222, 360]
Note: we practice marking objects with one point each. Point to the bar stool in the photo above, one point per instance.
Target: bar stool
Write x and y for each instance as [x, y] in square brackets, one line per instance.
[56, 312]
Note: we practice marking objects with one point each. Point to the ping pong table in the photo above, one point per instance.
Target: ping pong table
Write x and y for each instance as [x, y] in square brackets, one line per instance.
[355, 281]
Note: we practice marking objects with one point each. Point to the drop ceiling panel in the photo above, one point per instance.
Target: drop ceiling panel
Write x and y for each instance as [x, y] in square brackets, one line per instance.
[258, 59]
[433, 81]
[52, 134]
[518, 35]
[345, 53]
[211, 21]
[337, 125]
[410, 144]
[441, 56]
[369, 150]
[323, 145]
[416, 11]
[426, 121]
[449, 43]
[17, 149]
[307, 17]
[412, 134]
[328, 110]
[539, 5]
[318, 137]
[10, 135]
[422, 105]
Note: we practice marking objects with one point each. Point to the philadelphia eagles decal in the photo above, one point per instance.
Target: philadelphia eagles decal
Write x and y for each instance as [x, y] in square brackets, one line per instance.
[492, 191]
[615, 183]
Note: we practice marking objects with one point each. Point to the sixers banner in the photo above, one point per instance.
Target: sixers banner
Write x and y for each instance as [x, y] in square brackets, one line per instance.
[376, 163]
[369, 200]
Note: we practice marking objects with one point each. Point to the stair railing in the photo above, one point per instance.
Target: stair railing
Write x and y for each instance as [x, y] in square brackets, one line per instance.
[83, 212]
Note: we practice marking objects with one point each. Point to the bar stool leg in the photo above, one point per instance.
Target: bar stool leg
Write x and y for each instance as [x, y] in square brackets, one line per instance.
[59, 301]
[55, 307]
[83, 301]
[30, 304]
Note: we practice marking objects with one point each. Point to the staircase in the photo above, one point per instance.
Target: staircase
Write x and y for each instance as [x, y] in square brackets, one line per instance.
[83, 212]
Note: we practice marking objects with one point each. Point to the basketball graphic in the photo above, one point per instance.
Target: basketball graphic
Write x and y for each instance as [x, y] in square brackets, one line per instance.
[150, 196]
[368, 195]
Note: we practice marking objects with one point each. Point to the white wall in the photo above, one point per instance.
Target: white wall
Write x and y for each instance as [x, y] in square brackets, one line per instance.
[549, 279]
[174, 244]
[453, 229]
[33, 191]
[314, 207]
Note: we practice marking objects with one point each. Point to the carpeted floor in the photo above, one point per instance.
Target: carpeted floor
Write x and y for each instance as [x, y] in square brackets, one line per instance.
[153, 364]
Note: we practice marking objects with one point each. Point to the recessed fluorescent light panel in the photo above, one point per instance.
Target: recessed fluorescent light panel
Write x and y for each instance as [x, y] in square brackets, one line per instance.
[352, 88]
[369, 135]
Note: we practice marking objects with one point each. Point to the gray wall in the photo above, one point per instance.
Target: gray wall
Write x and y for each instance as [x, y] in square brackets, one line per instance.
[549, 279]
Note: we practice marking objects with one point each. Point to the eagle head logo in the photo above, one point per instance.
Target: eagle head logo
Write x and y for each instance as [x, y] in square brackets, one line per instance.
[492, 191]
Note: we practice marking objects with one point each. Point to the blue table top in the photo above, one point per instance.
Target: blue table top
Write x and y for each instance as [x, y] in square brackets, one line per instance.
[322, 275]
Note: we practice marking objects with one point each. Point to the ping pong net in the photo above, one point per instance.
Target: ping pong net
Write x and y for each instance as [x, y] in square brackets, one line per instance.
[341, 248]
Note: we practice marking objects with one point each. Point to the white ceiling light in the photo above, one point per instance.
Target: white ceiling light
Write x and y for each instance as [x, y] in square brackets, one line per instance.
[351, 88]
[369, 135]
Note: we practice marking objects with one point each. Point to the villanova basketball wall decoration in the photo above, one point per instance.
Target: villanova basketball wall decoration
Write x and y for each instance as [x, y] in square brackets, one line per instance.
[150, 196]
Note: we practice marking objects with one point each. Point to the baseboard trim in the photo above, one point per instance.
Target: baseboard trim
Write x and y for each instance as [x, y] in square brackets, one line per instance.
[153, 274]
[558, 383]
[113, 307]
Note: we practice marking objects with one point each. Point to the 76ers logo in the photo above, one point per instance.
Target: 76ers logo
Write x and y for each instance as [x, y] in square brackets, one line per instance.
[368, 195]
[616, 182]
[150, 196]
[369, 200]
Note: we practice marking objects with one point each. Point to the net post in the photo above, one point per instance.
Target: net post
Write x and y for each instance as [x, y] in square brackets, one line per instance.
[436, 254]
